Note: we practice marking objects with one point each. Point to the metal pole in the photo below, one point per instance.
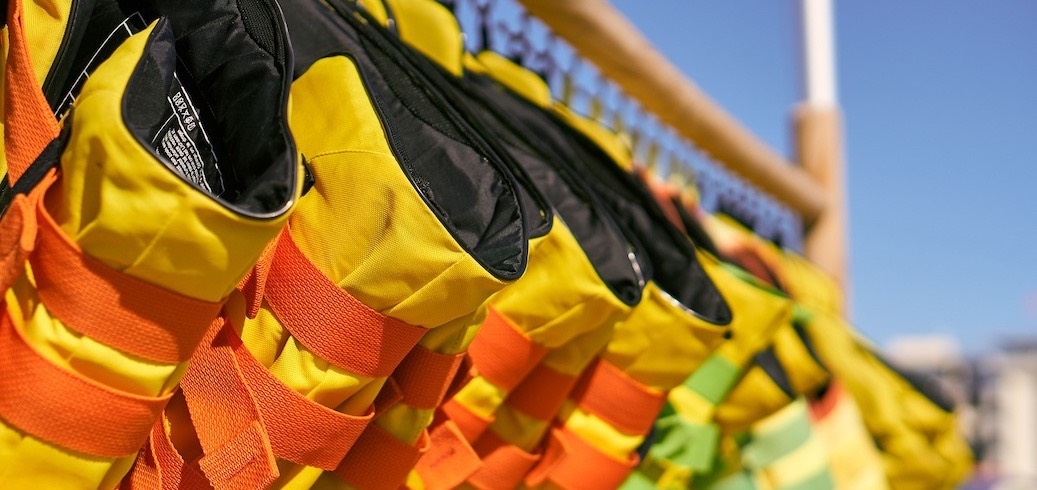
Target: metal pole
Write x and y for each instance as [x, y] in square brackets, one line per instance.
[818, 128]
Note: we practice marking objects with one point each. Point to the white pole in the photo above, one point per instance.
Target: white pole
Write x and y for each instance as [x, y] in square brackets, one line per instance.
[819, 53]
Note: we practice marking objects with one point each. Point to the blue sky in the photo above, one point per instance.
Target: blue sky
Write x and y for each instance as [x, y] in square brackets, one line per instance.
[940, 107]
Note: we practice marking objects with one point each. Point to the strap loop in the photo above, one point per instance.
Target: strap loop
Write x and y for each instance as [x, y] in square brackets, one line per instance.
[424, 376]
[501, 353]
[380, 461]
[542, 394]
[449, 461]
[66, 409]
[629, 406]
[332, 323]
[571, 463]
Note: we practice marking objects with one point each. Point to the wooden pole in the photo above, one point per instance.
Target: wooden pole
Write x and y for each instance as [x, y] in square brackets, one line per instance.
[818, 128]
[606, 38]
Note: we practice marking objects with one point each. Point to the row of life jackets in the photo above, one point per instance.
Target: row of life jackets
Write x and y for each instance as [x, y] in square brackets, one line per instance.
[316, 244]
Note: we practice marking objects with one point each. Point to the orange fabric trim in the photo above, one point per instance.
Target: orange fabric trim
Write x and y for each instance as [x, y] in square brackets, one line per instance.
[118, 310]
[300, 430]
[424, 376]
[332, 323]
[449, 461]
[380, 461]
[66, 409]
[236, 450]
[822, 407]
[504, 464]
[571, 463]
[472, 426]
[253, 285]
[29, 123]
[623, 402]
[17, 237]
[542, 393]
[502, 354]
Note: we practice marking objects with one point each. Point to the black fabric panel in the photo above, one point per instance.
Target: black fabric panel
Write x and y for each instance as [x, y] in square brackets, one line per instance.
[768, 361]
[599, 236]
[698, 235]
[461, 180]
[674, 266]
[241, 71]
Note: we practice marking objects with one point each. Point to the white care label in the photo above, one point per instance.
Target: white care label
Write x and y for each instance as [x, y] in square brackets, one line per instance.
[182, 140]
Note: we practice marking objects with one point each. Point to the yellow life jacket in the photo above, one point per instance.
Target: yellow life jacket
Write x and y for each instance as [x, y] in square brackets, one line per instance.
[131, 232]
[851, 451]
[918, 438]
[411, 222]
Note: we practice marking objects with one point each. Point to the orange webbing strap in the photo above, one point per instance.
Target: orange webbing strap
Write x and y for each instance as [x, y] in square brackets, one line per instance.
[501, 353]
[113, 308]
[504, 465]
[253, 285]
[571, 463]
[471, 424]
[629, 406]
[160, 467]
[68, 410]
[332, 323]
[824, 405]
[424, 376]
[29, 123]
[381, 461]
[17, 238]
[449, 461]
[542, 394]
[236, 449]
[300, 430]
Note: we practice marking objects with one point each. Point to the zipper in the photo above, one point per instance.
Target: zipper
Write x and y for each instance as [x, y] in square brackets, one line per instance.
[65, 56]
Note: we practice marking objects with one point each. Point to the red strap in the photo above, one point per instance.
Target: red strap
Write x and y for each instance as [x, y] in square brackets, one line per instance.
[501, 353]
[66, 409]
[827, 403]
[330, 322]
[381, 461]
[542, 393]
[116, 309]
[29, 123]
[424, 376]
[471, 425]
[449, 461]
[629, 406]
[571, 463]
[237, 452]
[504, 464]
[300, 430]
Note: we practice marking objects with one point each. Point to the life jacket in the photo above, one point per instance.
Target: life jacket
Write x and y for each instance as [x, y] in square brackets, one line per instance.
[539, 333]
[915, 433]
[127, 233]
[851, 452]
[411, 222]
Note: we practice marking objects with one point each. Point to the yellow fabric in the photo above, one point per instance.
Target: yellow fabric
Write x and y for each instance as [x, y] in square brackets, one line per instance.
[365, 227]
[124, 207]
[515, 77]
[432, 29]
[45, 23]
[851, 453]
[615, 146]
[810, 286]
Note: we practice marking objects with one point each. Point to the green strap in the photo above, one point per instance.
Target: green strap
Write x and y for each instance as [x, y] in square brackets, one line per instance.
[822, 480]
[686, 444]
[767, 447]
[739, 480]
[714, 379]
